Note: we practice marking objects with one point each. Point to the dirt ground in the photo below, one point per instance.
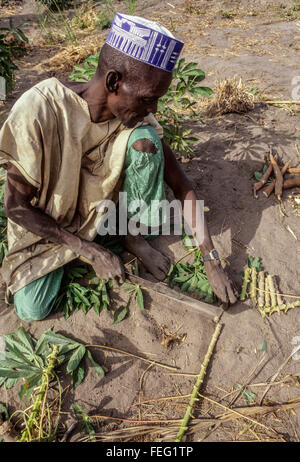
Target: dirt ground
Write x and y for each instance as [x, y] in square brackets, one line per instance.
[259, 42]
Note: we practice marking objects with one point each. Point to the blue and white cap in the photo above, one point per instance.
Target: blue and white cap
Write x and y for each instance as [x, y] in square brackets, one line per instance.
[145, 41]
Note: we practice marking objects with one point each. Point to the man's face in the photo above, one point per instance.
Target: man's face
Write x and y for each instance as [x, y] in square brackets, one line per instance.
[134, 100]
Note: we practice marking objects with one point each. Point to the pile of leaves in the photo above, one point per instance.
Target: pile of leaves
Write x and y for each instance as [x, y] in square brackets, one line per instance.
[192, 278]
[174, 108]
[74, 296]
[12, 47]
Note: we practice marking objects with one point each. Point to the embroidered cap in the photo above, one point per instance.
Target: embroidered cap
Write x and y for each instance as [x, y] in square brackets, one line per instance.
[145, 41]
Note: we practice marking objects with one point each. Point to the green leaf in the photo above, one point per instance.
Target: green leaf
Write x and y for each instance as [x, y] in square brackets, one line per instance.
[121, 313]
[75, 358]
[263, 346]
[57, 339]
[4, 412]
[11, 383]
[250, 397]
[29, 385]
[203, 91]
[255, 263]
[140, 298]
[12, 374]
[78, 375]
[258, 175]
[98, 369]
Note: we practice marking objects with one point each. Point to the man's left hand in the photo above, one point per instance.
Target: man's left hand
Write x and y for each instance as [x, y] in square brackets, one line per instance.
[220, 282]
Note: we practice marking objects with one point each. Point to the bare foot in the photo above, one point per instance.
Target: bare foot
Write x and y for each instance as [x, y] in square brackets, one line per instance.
[155, 262]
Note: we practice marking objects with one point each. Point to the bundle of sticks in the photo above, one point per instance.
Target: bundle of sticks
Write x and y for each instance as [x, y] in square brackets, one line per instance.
[279, 183]
[264, 292]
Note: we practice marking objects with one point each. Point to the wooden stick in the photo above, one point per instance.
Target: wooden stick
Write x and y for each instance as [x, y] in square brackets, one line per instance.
[263, 180]
[269, 189]
[116, 350]
[185, 420]
[282, 102]
[294, 170]
[278, 177]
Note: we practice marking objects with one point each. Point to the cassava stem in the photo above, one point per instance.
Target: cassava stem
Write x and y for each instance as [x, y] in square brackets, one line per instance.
[272, 290]
[269, 189]
[261, 287]
[253, 283]
[246, 280]
[185, 420]
[42, 390]
[292, 183]
[278, 177]
[267, 293]
[263, 180]
[278, 296]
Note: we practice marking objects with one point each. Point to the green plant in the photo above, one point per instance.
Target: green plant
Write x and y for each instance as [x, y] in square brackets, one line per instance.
[107, 15]
[26, 359]
[74, 296]
[131, 6]
[12, 47]
[36, 363]
[191, 277]
[49, 19]
[136, 293]
[176, 106]
[85, 420]
[56, 5]
[227, 14]
[86, 71]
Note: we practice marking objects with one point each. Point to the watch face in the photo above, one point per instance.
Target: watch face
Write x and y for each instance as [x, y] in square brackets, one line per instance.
[215, 254]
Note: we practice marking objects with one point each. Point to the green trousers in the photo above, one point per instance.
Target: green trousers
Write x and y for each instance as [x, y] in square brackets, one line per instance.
[143, 179]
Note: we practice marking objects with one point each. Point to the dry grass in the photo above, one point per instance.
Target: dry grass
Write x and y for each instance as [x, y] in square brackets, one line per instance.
[230, 95]
[72, 54]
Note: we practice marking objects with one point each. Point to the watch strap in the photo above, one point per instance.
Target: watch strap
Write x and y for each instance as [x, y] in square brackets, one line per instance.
[212, 255]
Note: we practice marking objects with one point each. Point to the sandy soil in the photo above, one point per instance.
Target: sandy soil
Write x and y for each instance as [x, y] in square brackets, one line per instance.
[259, 44]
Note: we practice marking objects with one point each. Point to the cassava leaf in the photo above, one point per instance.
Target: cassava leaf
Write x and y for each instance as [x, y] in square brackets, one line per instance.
[140, 298]
[78, 374]
[121, 313]
[98, 369]
[75, 358]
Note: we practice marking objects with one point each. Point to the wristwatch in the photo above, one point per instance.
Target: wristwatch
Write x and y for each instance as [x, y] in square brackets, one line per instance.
[212, 255]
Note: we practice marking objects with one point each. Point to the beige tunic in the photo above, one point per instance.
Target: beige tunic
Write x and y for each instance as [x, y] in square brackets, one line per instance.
[73, 162]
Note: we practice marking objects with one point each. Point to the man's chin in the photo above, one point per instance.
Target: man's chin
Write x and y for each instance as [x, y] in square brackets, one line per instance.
[132, 122]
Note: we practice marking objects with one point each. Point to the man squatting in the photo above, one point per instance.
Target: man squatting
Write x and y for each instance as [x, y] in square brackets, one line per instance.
[68, 146]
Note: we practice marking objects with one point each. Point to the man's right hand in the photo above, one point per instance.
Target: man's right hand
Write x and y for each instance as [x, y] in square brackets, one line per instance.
[106, 264]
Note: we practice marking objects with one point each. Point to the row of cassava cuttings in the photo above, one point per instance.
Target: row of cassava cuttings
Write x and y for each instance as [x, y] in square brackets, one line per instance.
[263, 290]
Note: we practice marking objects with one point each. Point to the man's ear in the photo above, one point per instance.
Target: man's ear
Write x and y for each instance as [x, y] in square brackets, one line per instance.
[112, 80]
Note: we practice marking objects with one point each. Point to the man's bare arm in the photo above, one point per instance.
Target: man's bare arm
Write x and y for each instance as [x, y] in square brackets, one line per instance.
[183, 190]
[17, 205]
